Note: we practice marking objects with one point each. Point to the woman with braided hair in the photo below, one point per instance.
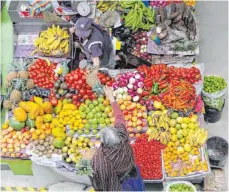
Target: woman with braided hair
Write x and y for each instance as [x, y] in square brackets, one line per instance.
[113, 163]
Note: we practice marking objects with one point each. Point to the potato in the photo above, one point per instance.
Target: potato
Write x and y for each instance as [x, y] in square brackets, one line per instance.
[49, 156]
[47, 139]
[42, 148]
[35, 142]
[46, 144]
[50, 151]
[64, 155]
[36, 151]
[45, 152]
[59, 151]
[40, 154]
[52, 147]
[41, 142]
[56, 151]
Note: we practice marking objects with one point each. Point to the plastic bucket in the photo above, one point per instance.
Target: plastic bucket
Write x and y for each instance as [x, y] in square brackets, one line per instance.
[212, 115]
[217, 151]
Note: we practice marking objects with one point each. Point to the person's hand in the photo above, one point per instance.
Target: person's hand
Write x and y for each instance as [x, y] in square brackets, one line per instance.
[109, 93]
[72, 29]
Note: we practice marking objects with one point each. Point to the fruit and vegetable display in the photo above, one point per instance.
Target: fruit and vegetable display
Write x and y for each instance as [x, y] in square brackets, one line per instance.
[55, 110]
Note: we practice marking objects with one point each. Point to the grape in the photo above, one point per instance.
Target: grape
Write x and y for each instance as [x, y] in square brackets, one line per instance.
[214, 84]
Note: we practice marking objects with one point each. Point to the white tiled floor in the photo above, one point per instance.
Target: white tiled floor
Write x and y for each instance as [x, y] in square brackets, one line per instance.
[213, 17]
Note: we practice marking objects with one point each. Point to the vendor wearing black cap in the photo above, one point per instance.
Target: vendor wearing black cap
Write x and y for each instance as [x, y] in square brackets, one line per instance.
[95, 43]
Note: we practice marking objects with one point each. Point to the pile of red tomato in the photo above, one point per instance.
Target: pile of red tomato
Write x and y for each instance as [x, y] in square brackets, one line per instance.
[148, 157]
[43, 74]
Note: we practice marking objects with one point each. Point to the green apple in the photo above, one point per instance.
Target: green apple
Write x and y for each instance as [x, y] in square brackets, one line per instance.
[94, 111]
[101, 99]
[94, 126]
[101, 120]
[103, 125]
[101, 106]
[97, 136]
[108, 121]
[83, 115]
[97, 108]
[91, 106]
[178, 126]
[88, 102]
[87, 110]
[87, 132]
[71, 132]
[94, 121]
[104, 115]
[94, 131]
[107, 110]
[90, 121]
[95, 102]
[80, 131]
[82, 108]
[98, 115]
[87, 126]
[90, 115]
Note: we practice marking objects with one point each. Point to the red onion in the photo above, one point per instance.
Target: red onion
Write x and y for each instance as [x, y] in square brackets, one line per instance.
[140, 84]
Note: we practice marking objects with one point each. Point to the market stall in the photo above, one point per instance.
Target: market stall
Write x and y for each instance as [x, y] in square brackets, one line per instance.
[53, 113]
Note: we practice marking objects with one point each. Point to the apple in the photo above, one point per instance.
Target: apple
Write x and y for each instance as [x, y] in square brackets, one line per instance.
[87, 132]
[94, 131]
[139, 106]
[130, 130]
[139, 122]
[134, 124]
[139, 128]
[139, 115]
[129, 123]
[134, 119]
[131, 135]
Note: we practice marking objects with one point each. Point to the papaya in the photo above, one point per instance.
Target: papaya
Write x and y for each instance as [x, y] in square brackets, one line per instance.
[16, 125]
[27, 106]
[47, 106]
[20, 114]
[38, 100]
[41, 110]
[69, 107]
[39, 121]
[58, 143]
[30, 123]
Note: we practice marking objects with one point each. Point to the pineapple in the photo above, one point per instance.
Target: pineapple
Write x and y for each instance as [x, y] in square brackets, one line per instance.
[7, 104]
[23, 66]
[18, 86]
[12, 71]
[30, 84]
[94, 82]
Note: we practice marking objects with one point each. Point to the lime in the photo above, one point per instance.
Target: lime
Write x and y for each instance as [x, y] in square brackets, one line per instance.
[174, 115]
[95, 102]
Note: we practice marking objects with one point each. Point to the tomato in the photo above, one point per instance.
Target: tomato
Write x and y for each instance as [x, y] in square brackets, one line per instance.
[54, 101]
[80, 82]
[85, 97]
[109, 83]
[74, 97]
[82, 91]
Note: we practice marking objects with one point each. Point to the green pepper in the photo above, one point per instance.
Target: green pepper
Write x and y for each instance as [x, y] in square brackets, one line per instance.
[155, 88]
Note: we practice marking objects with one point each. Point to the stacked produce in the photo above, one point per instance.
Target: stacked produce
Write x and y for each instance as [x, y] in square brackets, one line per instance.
[42, 73]
[13, 142]
[139, 46]
[182, 155]
[54, 41]
[73, 147]
[148, 157]
[44, 147]
[130, 83]
[17, 81]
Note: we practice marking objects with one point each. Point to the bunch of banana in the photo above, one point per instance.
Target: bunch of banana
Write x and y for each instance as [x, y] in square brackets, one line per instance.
[198, 137]
[53, 41]
[159, 134]
[160, 119]
[104, 6]
[139, 15]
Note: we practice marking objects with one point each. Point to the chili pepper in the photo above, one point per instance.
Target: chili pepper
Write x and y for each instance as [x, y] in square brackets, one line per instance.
[155, 88]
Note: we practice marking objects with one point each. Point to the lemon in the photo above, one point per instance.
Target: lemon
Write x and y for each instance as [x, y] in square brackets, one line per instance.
[157, 104]
[194, 119]
[184, 125]
[186, 120]
[180, 150]
[173, 130]
[179, 120]
[174, 138]
[81, 125]
[187, 147]
[191, 126]
[185, 132]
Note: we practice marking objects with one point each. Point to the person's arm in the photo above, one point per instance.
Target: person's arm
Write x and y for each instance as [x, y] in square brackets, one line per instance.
[96, 52]
[117, 113]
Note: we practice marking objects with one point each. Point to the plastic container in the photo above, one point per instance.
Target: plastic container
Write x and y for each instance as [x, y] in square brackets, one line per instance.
[217, 151]
[212, 115]
[180, 182]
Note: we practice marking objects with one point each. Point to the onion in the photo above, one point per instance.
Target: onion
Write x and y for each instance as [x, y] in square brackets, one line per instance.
[135, 98]
[132, 80]
[148, 102]
[130, 86]
[130, 91]
[137, 76]
[141, 79]
[125, 89]
[140, 84]
[139, 90]
[119, 96]
[142, 102]
[120, 90]
[115, 86]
